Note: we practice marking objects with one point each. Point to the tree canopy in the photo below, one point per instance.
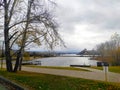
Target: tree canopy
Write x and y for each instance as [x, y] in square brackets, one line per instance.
[24, 22]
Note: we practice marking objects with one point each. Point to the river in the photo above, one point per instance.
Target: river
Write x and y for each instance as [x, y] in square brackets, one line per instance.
[66, 61]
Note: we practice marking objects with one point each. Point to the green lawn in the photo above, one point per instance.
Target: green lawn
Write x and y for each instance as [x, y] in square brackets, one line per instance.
[2, 87]
[94, 67]
[35, 81]
[52, 67]
[115, 69]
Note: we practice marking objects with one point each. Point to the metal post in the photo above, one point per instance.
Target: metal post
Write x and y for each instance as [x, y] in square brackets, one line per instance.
[106, 73]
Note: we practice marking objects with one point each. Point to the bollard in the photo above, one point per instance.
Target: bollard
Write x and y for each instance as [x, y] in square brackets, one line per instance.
[105, 69]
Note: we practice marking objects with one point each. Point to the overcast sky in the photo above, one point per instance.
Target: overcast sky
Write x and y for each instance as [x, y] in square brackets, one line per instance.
[85, 23]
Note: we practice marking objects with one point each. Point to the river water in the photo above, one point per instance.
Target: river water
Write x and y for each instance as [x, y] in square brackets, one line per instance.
[66, 61]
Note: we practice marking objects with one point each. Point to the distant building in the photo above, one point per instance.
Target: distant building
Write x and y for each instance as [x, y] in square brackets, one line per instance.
[88, 52]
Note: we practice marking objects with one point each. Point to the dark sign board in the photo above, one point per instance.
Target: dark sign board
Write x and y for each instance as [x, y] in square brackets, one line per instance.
[99, 64]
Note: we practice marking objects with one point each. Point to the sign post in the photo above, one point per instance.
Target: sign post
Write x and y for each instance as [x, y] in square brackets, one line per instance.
[105, 69]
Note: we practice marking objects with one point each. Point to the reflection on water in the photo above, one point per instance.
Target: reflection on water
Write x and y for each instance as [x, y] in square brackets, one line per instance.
[66, 61]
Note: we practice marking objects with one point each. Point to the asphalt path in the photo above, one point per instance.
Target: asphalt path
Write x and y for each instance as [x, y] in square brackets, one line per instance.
[92, 74]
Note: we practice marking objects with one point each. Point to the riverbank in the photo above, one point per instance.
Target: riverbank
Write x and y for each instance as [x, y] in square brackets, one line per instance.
[109, 59]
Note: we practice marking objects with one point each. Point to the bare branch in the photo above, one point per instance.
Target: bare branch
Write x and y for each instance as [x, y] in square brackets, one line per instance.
[52, 2]
[15, 39]
[1, 2]
[13, 35]
[9, 2]
[35, 39]
[17, 23]
[12, 8]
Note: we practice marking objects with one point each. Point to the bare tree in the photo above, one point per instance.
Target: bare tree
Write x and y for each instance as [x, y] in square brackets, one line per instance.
[110, 49]
[26, 22]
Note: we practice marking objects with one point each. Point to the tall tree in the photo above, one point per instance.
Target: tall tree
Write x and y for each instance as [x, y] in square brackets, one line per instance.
[26, 22]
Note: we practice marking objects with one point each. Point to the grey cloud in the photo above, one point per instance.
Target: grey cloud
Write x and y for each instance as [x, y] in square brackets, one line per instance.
[97, 12]
[103, 14]
[113, 24]
[101, 20]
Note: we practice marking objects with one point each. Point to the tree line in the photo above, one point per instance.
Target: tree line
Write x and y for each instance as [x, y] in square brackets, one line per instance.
[110, 50]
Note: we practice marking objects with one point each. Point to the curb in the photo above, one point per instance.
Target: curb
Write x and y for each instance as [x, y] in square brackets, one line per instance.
[7, 82]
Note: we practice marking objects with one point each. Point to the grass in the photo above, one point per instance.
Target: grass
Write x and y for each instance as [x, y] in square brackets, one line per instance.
[35, 81]
[52, 67]
[95, 67]
[2, 87]
[115, 69]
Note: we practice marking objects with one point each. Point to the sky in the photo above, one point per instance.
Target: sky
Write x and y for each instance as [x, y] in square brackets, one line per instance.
[86, 23]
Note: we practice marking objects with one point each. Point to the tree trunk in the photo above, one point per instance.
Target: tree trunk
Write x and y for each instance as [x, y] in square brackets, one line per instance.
[6, 38]
[21, 50]
[17, 61]
[20, 64]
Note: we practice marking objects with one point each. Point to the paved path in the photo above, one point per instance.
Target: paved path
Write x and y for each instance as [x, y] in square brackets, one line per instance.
[94, 74]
